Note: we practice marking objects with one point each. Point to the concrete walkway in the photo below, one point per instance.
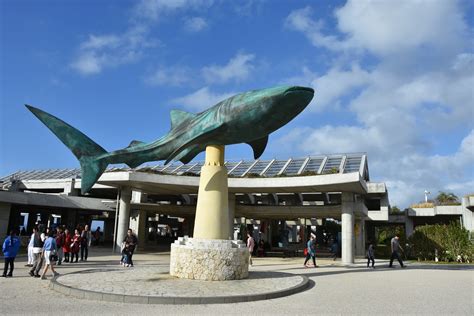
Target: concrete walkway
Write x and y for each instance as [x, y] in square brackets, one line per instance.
[420, 289]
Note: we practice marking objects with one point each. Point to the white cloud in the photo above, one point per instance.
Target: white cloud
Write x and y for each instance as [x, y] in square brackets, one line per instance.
[386, 27]
[88, 63]
[393, 158]
[107, 51]
[99, 52]
[153, 10]
[300, 20]
[195, 24]
[171, 76]
[238, 68]
[414, 98]
[201, 99]
[337, 83]
[417, 91]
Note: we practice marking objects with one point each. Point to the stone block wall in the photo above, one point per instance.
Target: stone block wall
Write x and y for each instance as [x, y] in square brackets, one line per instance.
[209, 259]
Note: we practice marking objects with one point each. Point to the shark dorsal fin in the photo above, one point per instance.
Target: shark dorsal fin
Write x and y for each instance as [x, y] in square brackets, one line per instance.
[178, 117]
[258, 146]
[135, 143]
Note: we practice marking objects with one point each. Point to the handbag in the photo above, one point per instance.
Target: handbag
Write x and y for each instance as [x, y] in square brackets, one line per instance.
[305, 251]
[53, 256]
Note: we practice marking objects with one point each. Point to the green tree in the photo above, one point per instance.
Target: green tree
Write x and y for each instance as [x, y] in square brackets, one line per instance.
[395, 210]
[444, 198]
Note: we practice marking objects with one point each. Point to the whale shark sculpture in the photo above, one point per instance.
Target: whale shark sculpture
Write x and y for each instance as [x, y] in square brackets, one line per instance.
[244, 118]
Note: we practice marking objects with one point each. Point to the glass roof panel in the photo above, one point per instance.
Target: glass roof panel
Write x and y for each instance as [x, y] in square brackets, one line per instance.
[332, 165]
[275, 168]
[294, 166]
[259, 166]
[313, 164]
[241, 168]
[352, 164]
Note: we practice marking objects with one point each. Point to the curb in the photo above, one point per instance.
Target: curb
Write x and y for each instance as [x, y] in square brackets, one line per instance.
[122, 298]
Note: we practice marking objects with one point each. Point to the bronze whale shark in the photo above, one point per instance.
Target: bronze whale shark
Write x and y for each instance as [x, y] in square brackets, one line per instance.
[244, 118]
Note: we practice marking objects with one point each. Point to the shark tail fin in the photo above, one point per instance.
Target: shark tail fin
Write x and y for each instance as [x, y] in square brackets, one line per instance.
[84, 148]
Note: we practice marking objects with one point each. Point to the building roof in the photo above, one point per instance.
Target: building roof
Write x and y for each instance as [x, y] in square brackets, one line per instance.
[53, 200]
[311, 165]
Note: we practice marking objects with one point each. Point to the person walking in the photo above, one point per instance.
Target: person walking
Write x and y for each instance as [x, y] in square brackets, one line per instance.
[49, 252]
[10, 248]
[97, 235]
[334, 249]
[130, 244]
[395, 247]
[250, 246]
[86, 237]
[371, 255]
[31, 257]
[75, 245]
[311, 248]
[37, 253]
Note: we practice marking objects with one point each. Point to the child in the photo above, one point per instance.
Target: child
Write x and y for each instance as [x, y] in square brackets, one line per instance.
[123, 249]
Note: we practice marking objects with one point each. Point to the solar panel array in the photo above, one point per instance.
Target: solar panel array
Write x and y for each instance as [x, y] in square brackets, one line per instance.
[343, 163]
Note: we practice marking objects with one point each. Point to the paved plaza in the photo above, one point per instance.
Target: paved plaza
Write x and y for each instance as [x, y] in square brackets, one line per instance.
[420, 289]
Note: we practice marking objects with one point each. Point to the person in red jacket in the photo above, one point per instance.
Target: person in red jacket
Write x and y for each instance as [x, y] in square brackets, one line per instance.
[67, 244]
[60, 243]
[75, 245]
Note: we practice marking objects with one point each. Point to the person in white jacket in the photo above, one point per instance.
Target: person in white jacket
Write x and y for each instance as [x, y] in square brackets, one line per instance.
[31, 257]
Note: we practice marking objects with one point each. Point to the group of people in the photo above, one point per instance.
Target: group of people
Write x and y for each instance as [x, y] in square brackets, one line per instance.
[47, 248]
[68, 244]
[60, 245]
[310, 252]
[57, 246]
[128, 248]
[395, 249]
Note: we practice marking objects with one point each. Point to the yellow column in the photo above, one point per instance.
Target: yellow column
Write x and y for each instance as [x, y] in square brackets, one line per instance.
[212, 212]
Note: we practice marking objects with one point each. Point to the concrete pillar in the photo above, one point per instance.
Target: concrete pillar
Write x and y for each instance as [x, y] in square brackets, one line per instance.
[347, 228]
[69, 188]
[138, 225]
[359, 237]
[124, 216]
[408, 226]
[231, 214]
[212, 210]
[467, 216]
[138, 219]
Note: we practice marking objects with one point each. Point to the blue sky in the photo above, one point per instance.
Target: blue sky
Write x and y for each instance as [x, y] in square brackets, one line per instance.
[393, 79]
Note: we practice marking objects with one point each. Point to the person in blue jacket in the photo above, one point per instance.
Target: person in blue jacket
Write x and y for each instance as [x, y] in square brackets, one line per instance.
[311, 246]
[50, 255]
[10, 248]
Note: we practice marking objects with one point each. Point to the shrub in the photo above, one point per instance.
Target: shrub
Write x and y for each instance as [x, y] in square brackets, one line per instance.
[308, 173]
[423, 205]
[190, 174]
[447, 242]
[252, 175]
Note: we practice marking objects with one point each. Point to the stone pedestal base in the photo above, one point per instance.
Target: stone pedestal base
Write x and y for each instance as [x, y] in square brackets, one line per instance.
[209, 259]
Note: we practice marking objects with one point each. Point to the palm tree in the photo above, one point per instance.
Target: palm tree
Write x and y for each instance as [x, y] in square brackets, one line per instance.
[444, 198]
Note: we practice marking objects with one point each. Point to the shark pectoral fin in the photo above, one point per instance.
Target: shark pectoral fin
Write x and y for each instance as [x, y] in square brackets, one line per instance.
[258, 146]
[201, 139]
[178, 117]
[188, 154]
[134, 143]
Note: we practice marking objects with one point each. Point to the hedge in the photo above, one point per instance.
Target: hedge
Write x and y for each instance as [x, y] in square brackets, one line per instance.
[447, 242]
